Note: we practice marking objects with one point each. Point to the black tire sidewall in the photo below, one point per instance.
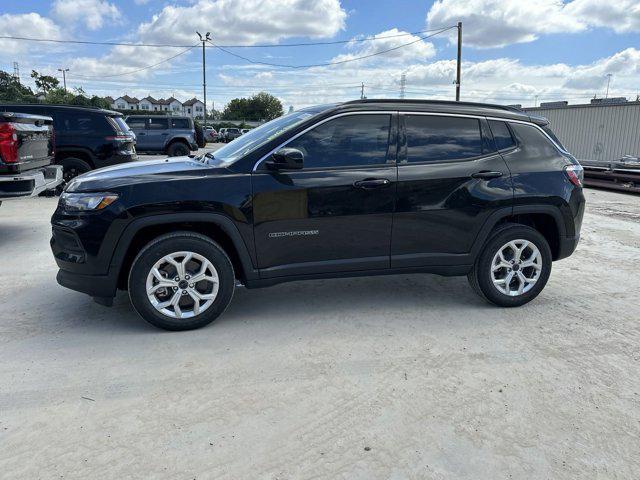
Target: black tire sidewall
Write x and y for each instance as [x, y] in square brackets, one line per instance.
[175, 243]
[482, 269]
[178, 150]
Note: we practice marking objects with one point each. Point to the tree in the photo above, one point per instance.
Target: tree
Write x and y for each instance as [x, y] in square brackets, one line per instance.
[11, 90]
[262, 106]
[44, 82]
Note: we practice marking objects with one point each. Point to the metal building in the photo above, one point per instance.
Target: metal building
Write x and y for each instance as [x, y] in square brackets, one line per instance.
[600, 132]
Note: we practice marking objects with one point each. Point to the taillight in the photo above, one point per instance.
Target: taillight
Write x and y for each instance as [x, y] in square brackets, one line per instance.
[575, 174]
[119, 138]
[8, 143]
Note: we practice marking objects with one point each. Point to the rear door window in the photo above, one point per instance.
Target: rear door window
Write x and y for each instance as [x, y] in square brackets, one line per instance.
[80, 123]
[159, 124]
[432, 138]
[182, 123]
[501, 135]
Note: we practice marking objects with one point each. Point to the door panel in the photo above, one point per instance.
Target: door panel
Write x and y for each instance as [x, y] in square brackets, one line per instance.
[442, 205]
[312, 222]
[335, 214]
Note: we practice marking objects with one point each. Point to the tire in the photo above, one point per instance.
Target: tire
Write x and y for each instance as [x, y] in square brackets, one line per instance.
[534, 266]
[178, 149]
[71, 168]
[157, 251]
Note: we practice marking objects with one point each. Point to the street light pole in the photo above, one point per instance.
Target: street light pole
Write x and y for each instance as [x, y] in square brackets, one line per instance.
[608, 81]
[64, 77]
[459, 62]
[204, 40]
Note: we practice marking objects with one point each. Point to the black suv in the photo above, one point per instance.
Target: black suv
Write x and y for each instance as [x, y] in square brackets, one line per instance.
[360, 188]
[85, 137]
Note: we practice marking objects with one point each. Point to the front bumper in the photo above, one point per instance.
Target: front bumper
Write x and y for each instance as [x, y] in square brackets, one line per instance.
[30, 183]
[101, 286]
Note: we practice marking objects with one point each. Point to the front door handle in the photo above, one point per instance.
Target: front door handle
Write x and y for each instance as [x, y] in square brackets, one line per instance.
[369, 183]
[486, 175]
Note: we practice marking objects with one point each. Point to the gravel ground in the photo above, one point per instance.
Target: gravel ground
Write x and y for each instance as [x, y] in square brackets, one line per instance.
[401, 377]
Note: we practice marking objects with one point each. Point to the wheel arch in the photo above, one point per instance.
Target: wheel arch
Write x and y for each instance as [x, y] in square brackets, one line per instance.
[75, 153]
[545, 219]
[215, 226]
[175, 140]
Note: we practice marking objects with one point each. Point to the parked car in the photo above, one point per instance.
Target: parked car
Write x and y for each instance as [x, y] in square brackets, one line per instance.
[26, 156]
[231, 134]
[221, 134]
[210, 134]
[85, 137]
[367, 187]
[174, 136]
[245, 130]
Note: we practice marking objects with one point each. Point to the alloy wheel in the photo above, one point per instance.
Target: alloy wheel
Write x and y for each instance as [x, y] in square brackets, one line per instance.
[182, 285]
[516, 267]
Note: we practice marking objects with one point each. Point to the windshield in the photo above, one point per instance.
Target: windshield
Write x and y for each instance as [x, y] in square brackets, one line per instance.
[261, 135]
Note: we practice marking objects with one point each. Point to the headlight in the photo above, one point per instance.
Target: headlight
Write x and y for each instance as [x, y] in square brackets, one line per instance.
[87, 201]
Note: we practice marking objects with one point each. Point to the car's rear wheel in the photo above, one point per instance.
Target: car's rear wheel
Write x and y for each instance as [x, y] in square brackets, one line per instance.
[178, 149]
[181, 281]
[513, 267]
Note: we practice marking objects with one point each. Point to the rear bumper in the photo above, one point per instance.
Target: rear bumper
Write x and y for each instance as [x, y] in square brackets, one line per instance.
[567, 246]
[30, 183]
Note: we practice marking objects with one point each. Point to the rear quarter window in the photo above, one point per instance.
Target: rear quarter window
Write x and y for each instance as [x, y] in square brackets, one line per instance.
[182, 123]
[533, 142]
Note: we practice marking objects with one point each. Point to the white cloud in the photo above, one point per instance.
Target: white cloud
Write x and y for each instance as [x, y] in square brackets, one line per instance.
[94, 13]
[417, 50]
[496, 23]
[248, 21]
[20, 25]
[620, 15]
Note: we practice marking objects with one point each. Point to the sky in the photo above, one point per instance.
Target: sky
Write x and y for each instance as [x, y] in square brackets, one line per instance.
[514, 51]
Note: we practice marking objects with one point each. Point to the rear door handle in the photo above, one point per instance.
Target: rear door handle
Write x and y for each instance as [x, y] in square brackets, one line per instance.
[486, 175]
[369, 183]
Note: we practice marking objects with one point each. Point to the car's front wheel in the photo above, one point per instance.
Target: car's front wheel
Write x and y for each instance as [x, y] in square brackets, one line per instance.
[181, 281]
[513, 267]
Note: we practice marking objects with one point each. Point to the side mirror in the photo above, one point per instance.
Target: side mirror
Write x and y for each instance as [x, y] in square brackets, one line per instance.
[286, 159]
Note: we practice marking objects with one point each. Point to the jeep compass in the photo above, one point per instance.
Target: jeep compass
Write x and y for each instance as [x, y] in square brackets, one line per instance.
[368, 187]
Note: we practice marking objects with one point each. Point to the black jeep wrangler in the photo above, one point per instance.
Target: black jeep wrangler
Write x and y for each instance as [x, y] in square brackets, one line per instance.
[360, 188]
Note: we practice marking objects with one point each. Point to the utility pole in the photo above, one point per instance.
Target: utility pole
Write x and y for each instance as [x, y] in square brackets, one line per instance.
[536, 101]
[403, 83]
[608, 81]
[362, 97]
[458, 64]
[204, 40]
[64, 77]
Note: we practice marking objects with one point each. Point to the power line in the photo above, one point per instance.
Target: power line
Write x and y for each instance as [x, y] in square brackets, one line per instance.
[137, 69]
[326, 64]
[262, 45]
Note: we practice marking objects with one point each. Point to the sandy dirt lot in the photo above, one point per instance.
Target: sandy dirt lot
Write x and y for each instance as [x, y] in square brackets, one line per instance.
[401, 377]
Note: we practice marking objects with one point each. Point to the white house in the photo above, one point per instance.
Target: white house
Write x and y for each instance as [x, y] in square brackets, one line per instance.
[193, 108]
[126, 103]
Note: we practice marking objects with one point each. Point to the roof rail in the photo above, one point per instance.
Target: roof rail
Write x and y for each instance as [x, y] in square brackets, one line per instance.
[432, 102]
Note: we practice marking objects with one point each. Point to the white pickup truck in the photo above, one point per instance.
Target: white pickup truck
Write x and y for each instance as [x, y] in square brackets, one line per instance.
[27, 155]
